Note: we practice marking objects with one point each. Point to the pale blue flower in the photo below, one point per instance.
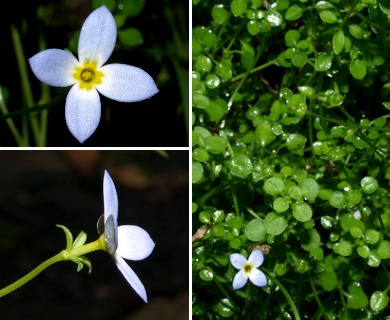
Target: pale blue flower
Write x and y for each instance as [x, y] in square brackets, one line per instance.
[248, 269]
[127, 241]
[88, 76]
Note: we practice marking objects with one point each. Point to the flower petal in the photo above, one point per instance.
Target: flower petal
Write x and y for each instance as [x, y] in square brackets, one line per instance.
[82, 112]
[131, 277]
[256, 258]
[258, 278]
[134, 243]
[125, 83]
[110, 197]
[97, 37]
[240, 279]
[237, 260]
[54, 67]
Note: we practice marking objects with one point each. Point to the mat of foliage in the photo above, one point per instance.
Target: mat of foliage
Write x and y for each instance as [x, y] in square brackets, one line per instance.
[291, 150]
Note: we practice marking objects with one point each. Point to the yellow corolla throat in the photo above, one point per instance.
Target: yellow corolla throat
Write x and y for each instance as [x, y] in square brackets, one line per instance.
[87, 75]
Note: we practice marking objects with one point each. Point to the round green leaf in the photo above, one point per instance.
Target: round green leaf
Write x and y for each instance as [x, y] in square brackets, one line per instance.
[280, 205]
[357, 299]
[291, 37]
[369, 185]
[379, 300]
[275, 224]
[215, 144]
[240, 165]
[273, 186]
[238, 7]
[206, 274]
[310, 239]
[302, 212]
[323, 62]
[255, 230]
[224, 308]
[299, 59]
[200, 155]
[309, 188]
[219, 14]
[337, 199]
[343, 248]
[358, 69]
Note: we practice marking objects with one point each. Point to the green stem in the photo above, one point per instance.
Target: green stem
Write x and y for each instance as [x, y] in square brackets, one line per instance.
[4, 110]
[64, 255]
[26, 87]
[32, 274]
[286, 295]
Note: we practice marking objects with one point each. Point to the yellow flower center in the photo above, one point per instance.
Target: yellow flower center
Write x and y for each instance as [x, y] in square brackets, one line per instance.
[248, 268]
[87, 75]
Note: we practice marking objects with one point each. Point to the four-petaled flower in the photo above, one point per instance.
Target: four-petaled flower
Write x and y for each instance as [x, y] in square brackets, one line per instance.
[248, 269]
[87, 76]
[129, 242]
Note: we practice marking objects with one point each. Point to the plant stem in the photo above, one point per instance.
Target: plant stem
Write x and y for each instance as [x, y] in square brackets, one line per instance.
[4, 110]
[26, 87]
[286, 294]
[32, 274]
[64, 255]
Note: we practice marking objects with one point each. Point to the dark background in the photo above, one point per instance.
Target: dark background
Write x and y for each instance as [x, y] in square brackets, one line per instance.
[155, 122]
[39, 189]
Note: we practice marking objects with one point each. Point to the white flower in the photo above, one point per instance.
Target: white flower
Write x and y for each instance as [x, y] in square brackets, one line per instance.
[119, 82]
[129, 242]
[248, 269]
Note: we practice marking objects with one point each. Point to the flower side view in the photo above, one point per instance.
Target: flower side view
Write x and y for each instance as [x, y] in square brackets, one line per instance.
[127, 241]
[248, 269]
[88, 76]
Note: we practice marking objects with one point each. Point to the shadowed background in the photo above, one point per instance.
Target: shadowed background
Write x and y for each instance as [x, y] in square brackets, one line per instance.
[39, 189]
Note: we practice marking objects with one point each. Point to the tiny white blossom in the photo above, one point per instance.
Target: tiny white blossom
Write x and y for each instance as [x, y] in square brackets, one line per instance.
[248, 269]
[88, 76]
[127, 241]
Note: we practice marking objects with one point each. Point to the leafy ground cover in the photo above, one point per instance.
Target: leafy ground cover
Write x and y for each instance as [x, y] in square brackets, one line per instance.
[290, 155]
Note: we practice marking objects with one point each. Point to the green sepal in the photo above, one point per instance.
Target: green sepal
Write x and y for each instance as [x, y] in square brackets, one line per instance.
[68, 235]
[80, 240]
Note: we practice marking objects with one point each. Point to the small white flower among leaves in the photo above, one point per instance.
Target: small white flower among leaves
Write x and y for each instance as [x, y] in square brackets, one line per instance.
[88, 76]
[129, 242]
[248, 269]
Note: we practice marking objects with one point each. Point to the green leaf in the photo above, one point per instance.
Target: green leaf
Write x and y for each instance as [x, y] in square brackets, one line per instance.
[197, 172]
[384, 5]
[130, 37]
[356, 31]
[131, 8]
[302, 212]
[358, 69]
[275, 224]
[294, 12]
[369, 185]
[357, 299]
[379, 301]
[238, 7]
[273, 186]
[384, 249]
[240, 165]
[323, 62]
[215, 144]
[291, 37]
[328, 16]
[219, 14]
[253, 27]
[281, 205]
[309, 188]
[255, 230]
[206, 274]
[338, 41]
